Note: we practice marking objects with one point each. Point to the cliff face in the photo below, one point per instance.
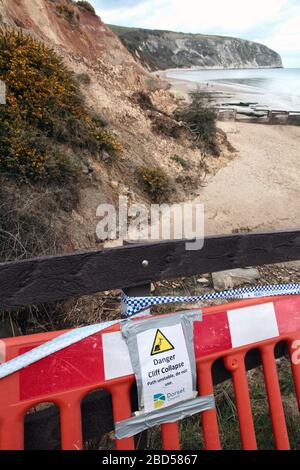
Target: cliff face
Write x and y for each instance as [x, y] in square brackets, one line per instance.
[72, 31]
[114, 80]
[89, 48]
[160, 50]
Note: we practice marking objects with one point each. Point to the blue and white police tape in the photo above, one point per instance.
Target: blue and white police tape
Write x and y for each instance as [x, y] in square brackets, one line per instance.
[134, 305]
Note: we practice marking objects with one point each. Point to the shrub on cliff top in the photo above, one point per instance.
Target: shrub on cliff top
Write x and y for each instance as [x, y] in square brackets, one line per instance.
[86, 6]
[45, 109]
[69, 13]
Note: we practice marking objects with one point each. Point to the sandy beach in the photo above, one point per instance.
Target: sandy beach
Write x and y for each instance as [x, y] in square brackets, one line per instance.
[259, 189]
[222, 92]
[271, 88]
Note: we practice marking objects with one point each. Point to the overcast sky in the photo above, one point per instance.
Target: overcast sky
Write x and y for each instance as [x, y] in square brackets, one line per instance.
[275, 23]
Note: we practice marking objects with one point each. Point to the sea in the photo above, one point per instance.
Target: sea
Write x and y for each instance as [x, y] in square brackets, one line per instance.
[274, 88]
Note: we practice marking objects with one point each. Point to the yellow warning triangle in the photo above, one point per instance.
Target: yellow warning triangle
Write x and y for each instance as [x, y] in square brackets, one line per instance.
[161, 344]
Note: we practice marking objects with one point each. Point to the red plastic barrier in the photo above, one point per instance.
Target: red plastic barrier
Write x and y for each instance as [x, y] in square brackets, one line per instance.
[98, 362]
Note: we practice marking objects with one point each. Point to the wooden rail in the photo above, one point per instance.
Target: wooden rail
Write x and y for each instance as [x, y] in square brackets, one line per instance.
[57, 278]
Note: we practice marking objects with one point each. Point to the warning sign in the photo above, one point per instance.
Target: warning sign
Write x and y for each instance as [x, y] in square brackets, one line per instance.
[166, 370]
[161, 344]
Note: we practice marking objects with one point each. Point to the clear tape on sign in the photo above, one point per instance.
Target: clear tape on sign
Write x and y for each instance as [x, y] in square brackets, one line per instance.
[132, 426]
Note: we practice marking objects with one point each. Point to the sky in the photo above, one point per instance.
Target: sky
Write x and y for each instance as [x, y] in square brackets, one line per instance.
[275, 23]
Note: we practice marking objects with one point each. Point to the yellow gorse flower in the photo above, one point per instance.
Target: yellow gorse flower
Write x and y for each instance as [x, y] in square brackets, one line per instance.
[44, 102]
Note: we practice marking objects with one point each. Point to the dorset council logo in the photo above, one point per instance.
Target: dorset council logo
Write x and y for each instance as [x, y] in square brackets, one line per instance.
[159, 400]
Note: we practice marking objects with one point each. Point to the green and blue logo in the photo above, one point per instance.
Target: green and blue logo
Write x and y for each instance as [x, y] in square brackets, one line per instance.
[159, 400]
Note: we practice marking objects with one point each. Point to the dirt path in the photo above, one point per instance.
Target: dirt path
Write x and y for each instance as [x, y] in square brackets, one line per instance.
[260, 188]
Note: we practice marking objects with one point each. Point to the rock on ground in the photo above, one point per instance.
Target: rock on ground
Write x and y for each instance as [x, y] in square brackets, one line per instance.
[234, 277]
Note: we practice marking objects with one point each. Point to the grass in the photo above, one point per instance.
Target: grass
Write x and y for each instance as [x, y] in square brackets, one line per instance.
[121, 29]
[27, 215]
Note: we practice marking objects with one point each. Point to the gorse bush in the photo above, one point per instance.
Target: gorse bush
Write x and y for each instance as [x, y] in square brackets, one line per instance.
[156, 183]
[109, 142]
[45, 110]
[201, 120]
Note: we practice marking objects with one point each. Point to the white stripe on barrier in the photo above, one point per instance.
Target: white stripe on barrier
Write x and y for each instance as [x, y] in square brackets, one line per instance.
[252, 324]
[2, 352]
[115, 356]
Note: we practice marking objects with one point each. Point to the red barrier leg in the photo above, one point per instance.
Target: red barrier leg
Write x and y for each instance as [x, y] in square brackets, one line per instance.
[209, 418]
[274, 397]
[70, 424]
[12, 432]
[170, 436]
[236, 365]
[122, 410]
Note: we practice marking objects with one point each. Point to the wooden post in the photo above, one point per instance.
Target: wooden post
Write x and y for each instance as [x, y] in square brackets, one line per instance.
[138, 291]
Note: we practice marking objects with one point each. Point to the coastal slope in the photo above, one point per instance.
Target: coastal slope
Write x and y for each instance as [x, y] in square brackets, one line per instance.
[133, 105]
[161, 50]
